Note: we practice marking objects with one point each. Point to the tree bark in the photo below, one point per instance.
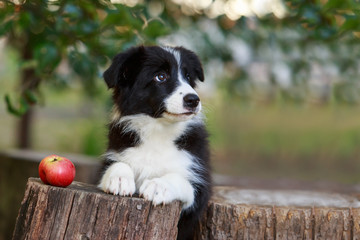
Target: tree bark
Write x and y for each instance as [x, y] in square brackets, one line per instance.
[81, 211]
[228, 217]
[16, 166]
[29, 81]
[24, 130]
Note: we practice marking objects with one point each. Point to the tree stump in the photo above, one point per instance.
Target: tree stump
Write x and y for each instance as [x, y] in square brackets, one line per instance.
[235, 213]
[81, 211]
[16, 166]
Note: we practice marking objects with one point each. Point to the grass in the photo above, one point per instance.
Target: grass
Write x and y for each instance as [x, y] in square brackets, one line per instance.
[289, 141]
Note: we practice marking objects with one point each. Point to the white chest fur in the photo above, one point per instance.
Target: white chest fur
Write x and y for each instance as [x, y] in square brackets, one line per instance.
[155, 168]
[156, 154]
[155, 157]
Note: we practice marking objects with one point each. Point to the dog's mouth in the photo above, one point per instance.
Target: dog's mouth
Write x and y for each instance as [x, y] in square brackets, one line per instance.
[180, 114]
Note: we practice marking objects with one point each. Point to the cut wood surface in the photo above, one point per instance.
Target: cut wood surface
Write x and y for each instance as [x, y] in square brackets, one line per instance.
[235, 213]
[81, 211]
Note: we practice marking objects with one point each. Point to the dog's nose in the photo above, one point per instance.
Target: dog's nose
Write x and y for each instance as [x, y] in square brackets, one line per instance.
[191, 101]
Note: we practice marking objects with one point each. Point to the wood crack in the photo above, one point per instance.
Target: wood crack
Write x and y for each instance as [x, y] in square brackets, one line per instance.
[68, 217]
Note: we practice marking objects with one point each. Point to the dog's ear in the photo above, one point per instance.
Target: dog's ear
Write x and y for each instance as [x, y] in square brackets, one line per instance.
[193, 60]
[197, 66]
[199, 70]
[123, 68]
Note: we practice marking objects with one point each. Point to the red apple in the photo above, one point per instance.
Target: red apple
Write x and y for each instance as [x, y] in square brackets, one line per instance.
[56, 171]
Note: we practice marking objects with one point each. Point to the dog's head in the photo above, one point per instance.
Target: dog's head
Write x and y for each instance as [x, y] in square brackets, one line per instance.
[156, 81]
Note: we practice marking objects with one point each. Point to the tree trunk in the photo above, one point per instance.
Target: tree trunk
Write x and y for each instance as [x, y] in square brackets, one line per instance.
[81, 211]
[24, 130]
[29, 81]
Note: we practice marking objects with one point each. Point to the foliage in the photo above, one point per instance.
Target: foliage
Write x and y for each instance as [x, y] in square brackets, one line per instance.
[321, 42]
[311, 54]
[84, 36]
[325, 19]
[47, 34]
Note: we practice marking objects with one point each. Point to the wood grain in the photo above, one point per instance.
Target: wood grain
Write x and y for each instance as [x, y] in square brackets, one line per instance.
[81, 211]
[228, 217]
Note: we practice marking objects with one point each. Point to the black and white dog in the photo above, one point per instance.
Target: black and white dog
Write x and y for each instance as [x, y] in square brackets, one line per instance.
[158, 144]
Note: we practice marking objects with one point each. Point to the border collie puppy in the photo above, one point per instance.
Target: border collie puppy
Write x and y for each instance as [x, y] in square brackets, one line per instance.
[158, 144]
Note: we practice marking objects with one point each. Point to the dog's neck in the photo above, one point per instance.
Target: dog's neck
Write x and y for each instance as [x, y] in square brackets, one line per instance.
[148, 127]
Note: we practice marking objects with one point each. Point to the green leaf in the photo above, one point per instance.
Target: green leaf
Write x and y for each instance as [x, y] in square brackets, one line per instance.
[81, 64]
[25, 19]
[72, 11]
[326, 32]
[155, 28]
[47, 57]
[30, 97]
[22, 108]
[332, 4]
[122, 16]
[88, 27]
[352, 23]
[5, 27]
[311, 15]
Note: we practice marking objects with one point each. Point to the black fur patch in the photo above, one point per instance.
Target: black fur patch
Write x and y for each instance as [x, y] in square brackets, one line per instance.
[195, 142]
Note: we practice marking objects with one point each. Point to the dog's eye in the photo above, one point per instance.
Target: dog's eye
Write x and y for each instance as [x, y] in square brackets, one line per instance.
[161, 77]
[187, 76]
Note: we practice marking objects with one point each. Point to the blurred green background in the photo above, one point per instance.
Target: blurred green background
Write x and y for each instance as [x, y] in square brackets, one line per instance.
[281, 94]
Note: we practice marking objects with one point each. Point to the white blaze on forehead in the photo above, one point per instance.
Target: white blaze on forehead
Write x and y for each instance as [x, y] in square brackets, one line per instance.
[175, 53]
[177, 57]
[175, 102]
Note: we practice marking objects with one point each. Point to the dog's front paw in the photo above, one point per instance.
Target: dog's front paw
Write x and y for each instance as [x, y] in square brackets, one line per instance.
[119, 186]
[158, 191]
[118, 180]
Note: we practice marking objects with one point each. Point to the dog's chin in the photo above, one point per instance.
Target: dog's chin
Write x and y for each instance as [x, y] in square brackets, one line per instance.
[178, 117]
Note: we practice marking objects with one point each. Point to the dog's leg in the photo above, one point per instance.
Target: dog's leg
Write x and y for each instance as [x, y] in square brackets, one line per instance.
[118, 180]
[168, 188]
